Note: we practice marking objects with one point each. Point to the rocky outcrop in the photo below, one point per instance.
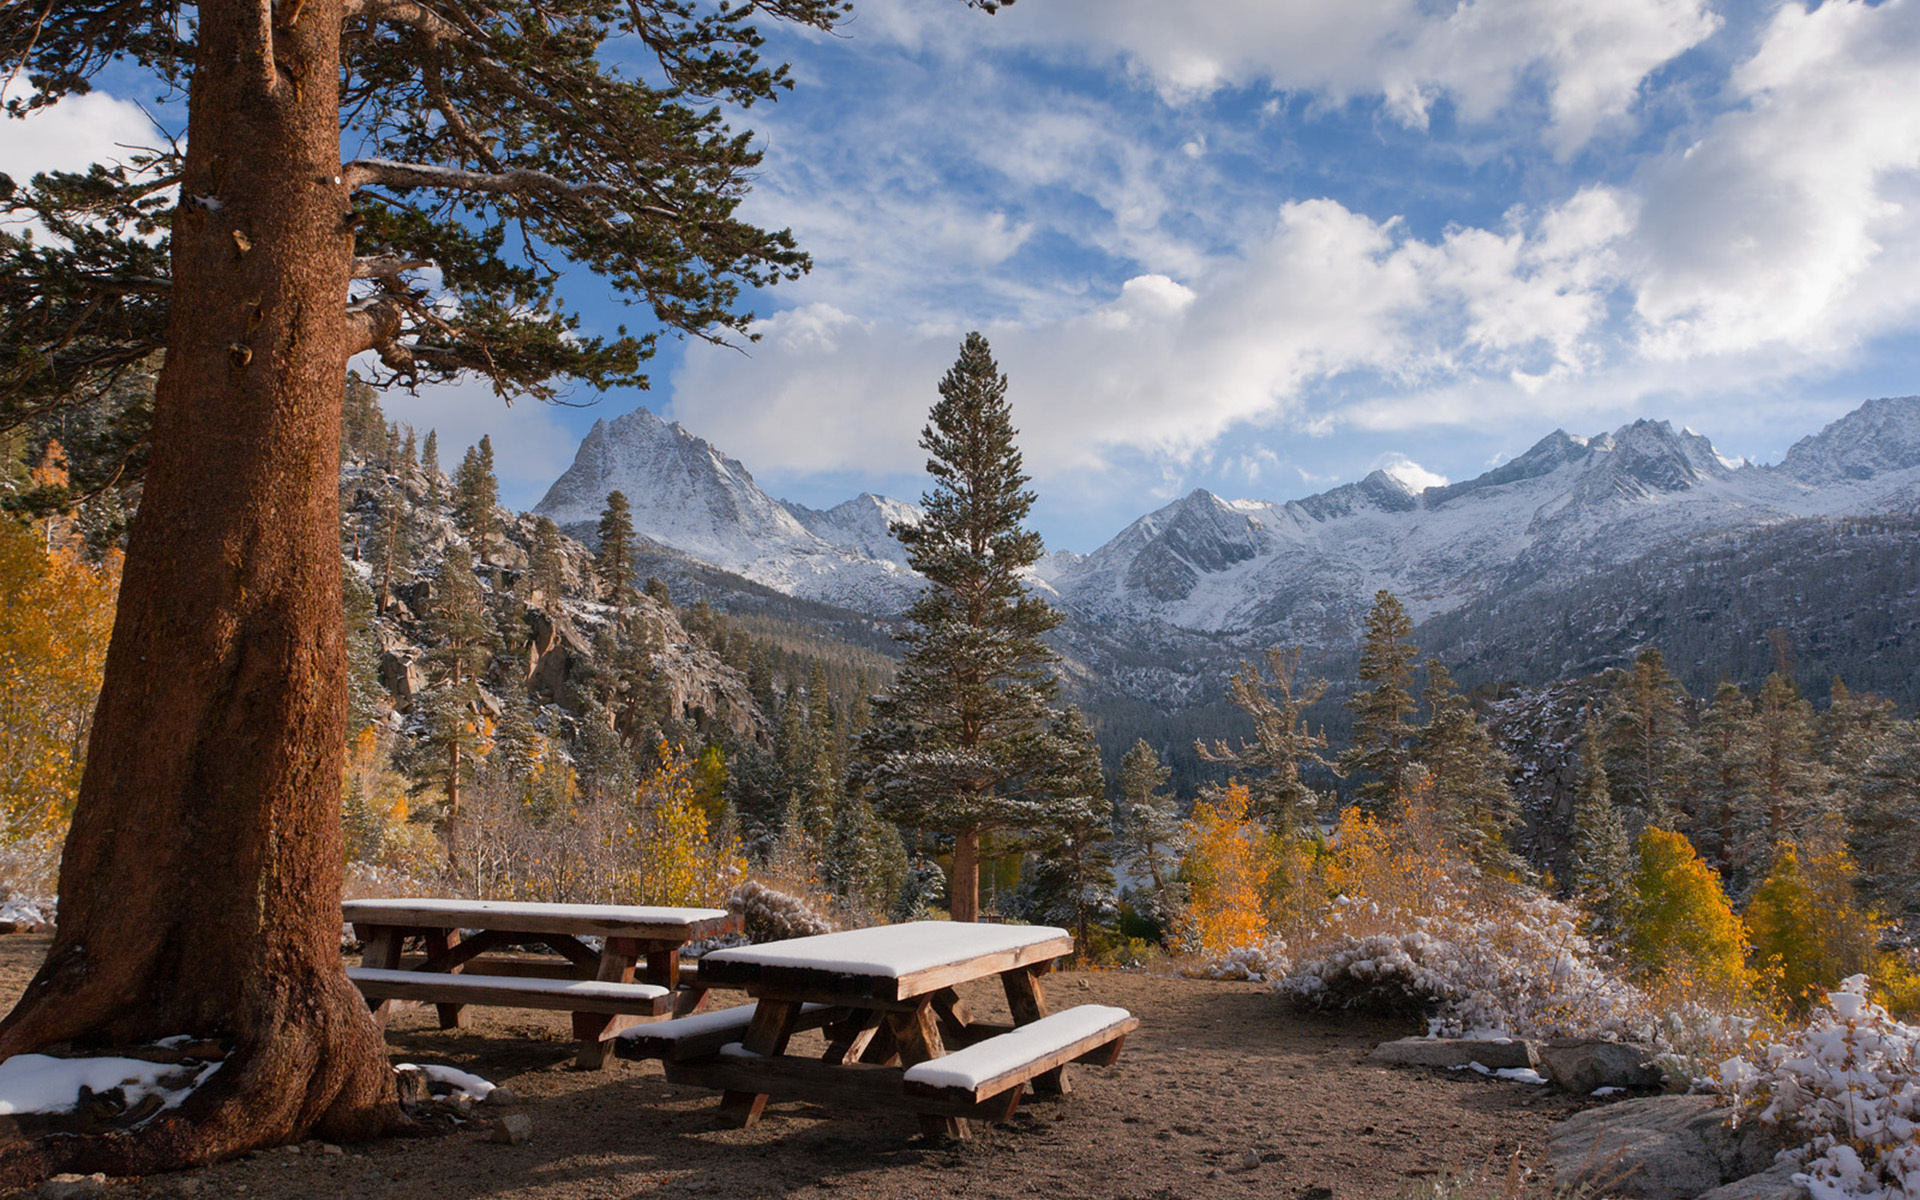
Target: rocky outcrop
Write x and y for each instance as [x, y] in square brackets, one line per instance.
[1659, 1148]
[1583, 1067]
[1495, 1055]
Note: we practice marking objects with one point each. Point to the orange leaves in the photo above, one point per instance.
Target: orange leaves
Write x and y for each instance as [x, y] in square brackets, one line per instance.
[1229, 867]
[1680, 926]
[56, 614]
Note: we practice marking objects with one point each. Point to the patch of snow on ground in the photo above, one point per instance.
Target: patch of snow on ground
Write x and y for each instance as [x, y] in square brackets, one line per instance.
[462, 1082]
[38, 910]
[43, 1083]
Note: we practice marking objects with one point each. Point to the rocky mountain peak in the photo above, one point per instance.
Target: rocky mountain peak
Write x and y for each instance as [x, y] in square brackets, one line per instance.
[1878, 437]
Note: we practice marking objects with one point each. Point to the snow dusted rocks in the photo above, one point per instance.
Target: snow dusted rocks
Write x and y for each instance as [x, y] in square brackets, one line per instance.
[1660, 1148]
[1581, 1067]
[1496, 1055]
[1775, 1183]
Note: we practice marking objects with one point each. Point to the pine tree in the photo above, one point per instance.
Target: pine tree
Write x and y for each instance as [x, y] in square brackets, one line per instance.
[1884, 819]
[613, 561]
[363, 427]
[1646, 739]
[476, 492]
[464, 637]
[964, 740]
[430, 464]
[1467, 777]
[1382, 740]
[546, 567]
[1602, 856]
[1723, 782]
[1790, 799]
[1071, 882]
[1281, 744]
[1150, 831]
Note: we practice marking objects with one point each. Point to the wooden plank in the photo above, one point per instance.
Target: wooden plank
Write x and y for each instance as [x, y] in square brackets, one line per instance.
[475, 989]
[593, 1030]
[954, 1017]
[767, 1035]
[848, 1040]
[918, 1033]
[1040, 954]
[1028, 1003]
[1090, 1046]
[680, 925]
[459, 951]
[858, 1086]
[664, 1042]
[510, 967]
[441, 945]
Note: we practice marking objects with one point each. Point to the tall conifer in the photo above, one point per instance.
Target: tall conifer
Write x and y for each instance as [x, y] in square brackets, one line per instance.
[614, 559]
[1281, 742]
[1382, 740]
[964, 744]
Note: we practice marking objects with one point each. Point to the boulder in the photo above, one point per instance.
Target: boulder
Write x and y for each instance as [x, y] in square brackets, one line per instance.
[513, 1129]
[1659, 1148]
[401, 678]
[1580, 1067]
[1494, 1055]
[1775, 1183]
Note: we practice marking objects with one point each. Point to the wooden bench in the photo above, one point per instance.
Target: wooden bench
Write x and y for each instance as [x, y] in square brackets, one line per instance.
[993, 1066]
[702, 1035]
[564, 995]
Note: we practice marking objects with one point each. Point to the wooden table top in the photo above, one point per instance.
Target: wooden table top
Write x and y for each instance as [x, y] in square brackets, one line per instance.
[651, 922]
[885, 962]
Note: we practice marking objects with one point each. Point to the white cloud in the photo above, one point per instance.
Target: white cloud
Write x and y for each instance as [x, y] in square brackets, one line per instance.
[1794, 218]
[531, 448]
[71, 134]
[1409, 472]
[1592, 58]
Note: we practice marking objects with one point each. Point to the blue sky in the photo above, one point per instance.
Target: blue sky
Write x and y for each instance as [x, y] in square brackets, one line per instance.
[1265, 246]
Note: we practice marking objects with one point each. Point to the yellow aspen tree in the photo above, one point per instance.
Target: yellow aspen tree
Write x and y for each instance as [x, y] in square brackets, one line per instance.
[1228, 869]
[1808, 928]
[1680, 927]
[677, 861]
[56, 612]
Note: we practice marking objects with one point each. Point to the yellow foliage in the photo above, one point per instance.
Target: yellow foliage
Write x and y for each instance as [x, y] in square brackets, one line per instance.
[56, 615]
[1229, 870]
[1680, 925]
[1395, 871]
[1896, 986]
[1808, 928]
[678, 861]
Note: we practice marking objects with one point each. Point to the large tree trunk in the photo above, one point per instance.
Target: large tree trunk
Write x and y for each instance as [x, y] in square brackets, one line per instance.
[200, 888]
[963, 896]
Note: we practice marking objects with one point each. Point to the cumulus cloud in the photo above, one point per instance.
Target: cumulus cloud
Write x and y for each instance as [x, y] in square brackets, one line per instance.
[1409, 472]
[70, 135]
[531, 448]
[1592, 58]
[1793, 219]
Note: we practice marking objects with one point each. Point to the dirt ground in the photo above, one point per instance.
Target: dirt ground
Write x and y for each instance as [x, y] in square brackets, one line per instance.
[1222, 1092]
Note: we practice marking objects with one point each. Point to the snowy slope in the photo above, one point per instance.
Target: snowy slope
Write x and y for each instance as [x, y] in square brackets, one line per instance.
[687, 495]
[1305, 570]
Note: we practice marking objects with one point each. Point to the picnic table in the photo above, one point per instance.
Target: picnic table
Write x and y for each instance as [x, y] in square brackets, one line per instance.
[473, 952]
[898, 1034]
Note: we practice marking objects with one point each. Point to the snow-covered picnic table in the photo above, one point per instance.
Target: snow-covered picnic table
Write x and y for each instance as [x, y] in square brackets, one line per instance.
[898, 1034]
[634, 974]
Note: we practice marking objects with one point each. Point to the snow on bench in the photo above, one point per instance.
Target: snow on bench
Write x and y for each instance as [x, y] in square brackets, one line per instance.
[702, 1035]
[502, 991]
[1007, 1060]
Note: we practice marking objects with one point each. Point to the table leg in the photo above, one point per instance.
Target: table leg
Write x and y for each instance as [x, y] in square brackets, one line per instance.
[954, 1017]
[595, 1030]
[767, 1035]
[452, 1016]
[919, 1036]
[1028, 1004]
[846, 1042]
[379, 947]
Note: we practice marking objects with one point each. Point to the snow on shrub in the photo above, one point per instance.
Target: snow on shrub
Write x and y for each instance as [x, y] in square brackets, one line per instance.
[1850, 1084]
[1258, 964]
[1518, 969]
[772, 916]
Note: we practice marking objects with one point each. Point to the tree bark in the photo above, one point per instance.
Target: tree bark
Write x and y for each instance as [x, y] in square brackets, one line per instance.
[200, 887]
[963, 899]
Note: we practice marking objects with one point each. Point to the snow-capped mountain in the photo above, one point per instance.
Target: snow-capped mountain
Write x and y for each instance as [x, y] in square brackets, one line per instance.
[1254, 572]
[688, 496]
[1305, 570]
